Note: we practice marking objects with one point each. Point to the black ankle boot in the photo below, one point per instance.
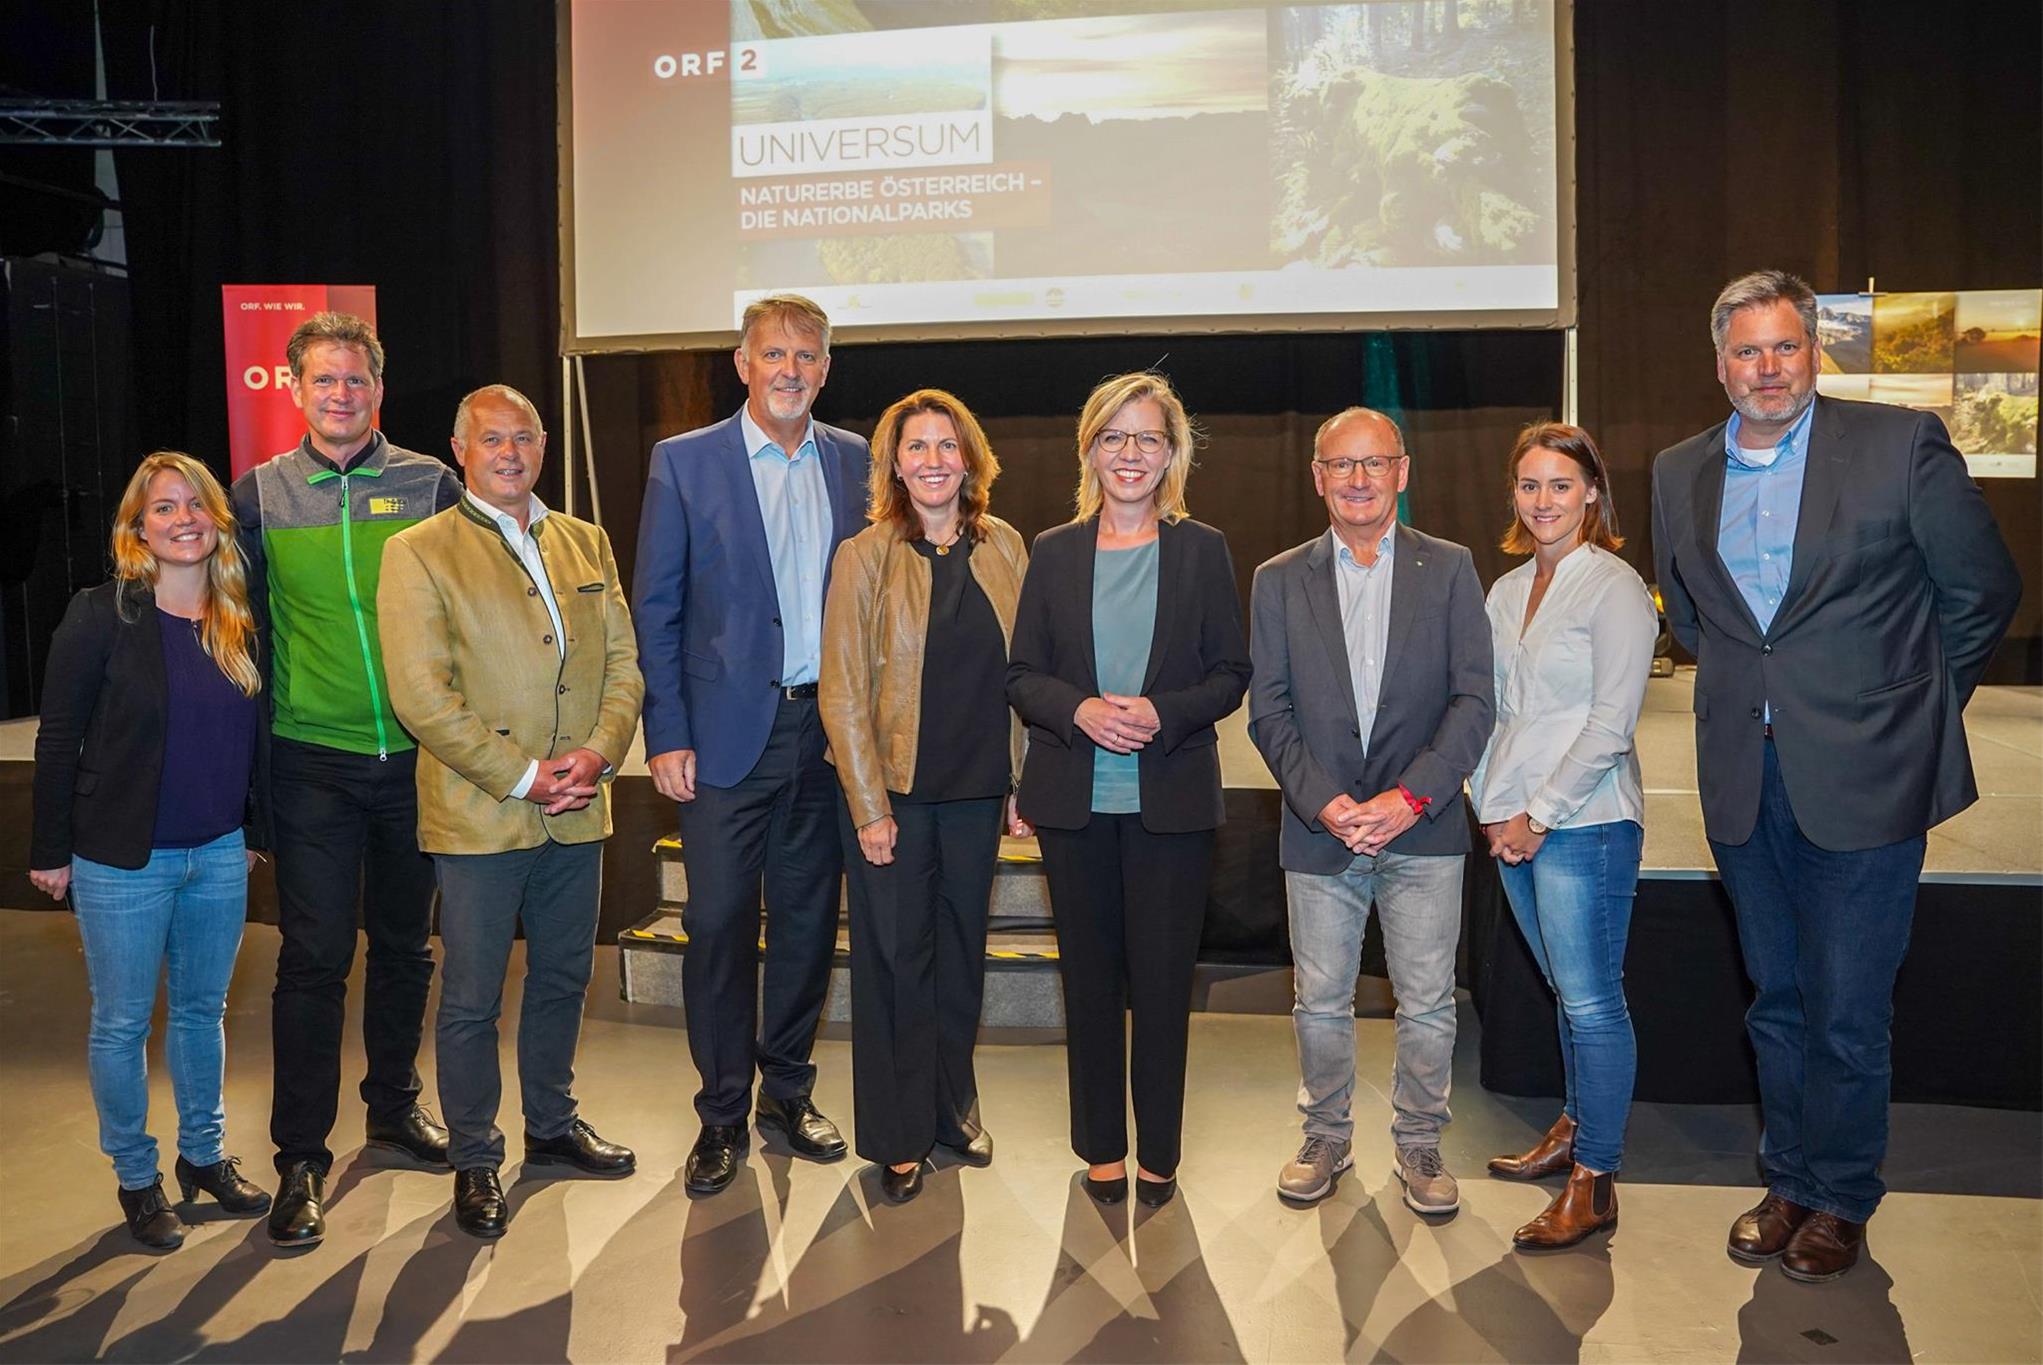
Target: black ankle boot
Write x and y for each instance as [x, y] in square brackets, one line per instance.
[150, 1218]
[222, 1180]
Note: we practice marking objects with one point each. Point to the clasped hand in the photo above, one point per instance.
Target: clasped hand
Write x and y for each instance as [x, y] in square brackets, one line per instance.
[566, 782]
[1116, 723]
[1512, 841]
[1368, 827]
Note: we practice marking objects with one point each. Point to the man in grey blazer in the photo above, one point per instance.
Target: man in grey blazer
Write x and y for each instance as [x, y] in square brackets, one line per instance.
[1371, 702]
[1841, 583]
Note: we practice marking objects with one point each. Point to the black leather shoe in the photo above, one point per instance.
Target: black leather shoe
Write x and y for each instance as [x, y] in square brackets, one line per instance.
[1113, 1191]
[1154, 1194]
[714, 1162]
[900, 1186]
[151, 1220]
[580, 1148]
[479, 1208]
[415, 1135]
[976, 1151]
[803, 1125]
[222, 1180]
[298, 1217]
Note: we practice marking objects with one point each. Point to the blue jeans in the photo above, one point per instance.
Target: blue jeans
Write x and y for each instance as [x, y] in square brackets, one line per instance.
[1418, 901]
[1573, 903]
[184, 908]
[1823, 934]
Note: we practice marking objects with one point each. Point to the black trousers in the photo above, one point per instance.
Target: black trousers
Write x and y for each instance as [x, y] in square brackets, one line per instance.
[554, 890]
[918, 974]
[346, 831]
[1130, 907]
[778, 826]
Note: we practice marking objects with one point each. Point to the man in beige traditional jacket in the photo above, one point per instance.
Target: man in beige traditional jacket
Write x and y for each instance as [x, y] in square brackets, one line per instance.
[511, 657]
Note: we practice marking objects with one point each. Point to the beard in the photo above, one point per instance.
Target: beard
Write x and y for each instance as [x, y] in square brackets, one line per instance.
[1757, 408]
[788, 406]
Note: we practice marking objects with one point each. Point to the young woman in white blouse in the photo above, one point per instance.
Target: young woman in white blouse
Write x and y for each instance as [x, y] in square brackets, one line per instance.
[1558, 796]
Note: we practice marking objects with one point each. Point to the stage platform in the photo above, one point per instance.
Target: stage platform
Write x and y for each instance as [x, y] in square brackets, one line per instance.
[2000, 837]
[1982, 889]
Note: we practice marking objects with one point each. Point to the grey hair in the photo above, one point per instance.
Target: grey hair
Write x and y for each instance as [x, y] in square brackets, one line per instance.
[1762, 287]
[797, 314]
[1319, 437]
[500, 391]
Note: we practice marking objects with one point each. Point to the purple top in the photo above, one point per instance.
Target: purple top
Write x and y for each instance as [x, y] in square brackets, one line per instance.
[208, 745]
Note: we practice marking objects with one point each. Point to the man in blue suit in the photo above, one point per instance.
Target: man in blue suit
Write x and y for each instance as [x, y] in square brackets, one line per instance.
[741, 521]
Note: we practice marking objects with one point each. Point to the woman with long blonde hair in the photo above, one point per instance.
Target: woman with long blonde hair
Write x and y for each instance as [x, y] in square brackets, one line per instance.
[144, 784]
[1127, 649]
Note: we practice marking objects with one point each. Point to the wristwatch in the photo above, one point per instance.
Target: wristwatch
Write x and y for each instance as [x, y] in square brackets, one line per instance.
[1535, 826]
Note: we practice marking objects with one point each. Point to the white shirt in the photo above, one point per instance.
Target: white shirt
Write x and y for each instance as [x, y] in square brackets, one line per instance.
[520, 538]
[1569, 690]
[1365, 621]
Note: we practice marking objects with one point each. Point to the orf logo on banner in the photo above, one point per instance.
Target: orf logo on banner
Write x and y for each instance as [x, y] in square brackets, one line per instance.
[261, 418]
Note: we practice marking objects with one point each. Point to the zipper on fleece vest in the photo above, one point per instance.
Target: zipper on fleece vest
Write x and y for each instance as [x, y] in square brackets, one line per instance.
[355, 601]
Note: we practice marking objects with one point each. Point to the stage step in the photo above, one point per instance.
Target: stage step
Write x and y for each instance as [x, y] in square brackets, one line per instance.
[1021, 972]
[1020, 895]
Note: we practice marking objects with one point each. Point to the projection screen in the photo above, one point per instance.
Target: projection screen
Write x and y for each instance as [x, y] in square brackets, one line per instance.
[966, 168]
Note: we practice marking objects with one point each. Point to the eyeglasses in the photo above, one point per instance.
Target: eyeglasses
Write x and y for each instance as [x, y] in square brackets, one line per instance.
[1375, 466]
[1148, 442]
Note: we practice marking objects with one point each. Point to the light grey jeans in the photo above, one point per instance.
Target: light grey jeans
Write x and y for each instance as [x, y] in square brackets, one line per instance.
[1418, 899]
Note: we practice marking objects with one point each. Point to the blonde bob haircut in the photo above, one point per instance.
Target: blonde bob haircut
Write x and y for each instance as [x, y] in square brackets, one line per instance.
[1102, 407]
[1599, 518]
[226, 625]
[890, 502]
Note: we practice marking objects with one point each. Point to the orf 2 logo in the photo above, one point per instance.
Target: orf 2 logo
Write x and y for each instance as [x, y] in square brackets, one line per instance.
[264, 376]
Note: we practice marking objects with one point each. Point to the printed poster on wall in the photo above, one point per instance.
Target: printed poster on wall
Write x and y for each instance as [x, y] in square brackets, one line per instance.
[261, 418]
[1970, 357]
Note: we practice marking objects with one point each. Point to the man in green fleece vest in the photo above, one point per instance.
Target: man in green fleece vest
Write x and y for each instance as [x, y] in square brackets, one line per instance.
[342, 781]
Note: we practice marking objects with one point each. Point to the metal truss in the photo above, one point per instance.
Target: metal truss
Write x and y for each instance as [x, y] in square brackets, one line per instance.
[109, 123]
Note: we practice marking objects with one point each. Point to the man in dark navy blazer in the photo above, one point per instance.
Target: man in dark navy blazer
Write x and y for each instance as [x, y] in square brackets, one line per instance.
[741, 521]
[1841, 583]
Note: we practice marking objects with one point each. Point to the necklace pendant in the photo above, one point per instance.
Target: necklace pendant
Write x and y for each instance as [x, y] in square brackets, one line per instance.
[943, 549]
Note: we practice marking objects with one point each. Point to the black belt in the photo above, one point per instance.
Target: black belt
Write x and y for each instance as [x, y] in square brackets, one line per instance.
[799, 692]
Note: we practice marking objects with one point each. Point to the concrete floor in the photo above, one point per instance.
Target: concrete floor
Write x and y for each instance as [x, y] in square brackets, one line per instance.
[804, 1262]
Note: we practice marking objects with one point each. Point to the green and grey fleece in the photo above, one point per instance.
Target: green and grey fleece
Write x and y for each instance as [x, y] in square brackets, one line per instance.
[313, 535]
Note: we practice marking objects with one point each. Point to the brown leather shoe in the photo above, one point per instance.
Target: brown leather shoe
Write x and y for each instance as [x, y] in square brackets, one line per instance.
[1762, 1232]
[1554, 1155]
[1823, 1248]
[1586, 1204]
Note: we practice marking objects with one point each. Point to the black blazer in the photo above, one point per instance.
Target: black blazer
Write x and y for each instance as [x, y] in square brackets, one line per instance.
[1900, 588]
[1198, 670]
[99, 749]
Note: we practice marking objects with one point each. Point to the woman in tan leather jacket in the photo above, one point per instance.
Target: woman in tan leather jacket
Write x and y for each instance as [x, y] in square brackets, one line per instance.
[913, 698]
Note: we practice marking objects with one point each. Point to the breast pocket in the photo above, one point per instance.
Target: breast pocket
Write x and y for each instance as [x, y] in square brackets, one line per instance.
[1860, 536]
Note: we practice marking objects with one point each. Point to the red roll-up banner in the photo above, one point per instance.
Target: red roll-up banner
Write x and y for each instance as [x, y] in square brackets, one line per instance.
[261, 418]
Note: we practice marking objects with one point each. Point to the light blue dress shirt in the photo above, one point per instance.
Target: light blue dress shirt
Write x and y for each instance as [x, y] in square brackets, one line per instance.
[1365, 622]
[1123, 625]
[794, 503]
[1762, 503]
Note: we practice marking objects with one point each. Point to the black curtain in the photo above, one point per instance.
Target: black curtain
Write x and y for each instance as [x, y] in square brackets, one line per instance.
[408, 146]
